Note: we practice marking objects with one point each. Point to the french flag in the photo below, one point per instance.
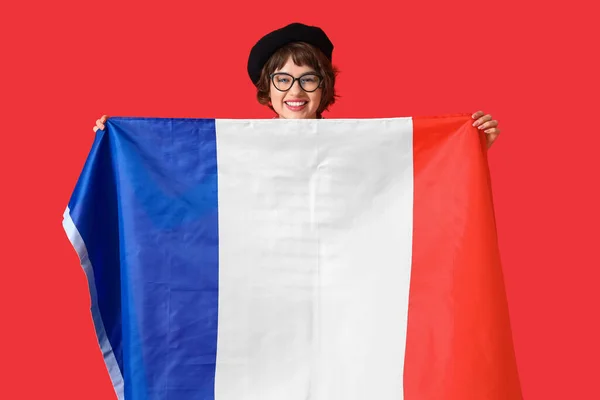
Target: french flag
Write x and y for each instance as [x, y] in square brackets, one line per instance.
[336, 259]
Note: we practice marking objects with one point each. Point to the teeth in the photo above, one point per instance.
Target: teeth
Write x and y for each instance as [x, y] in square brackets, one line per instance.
[295, 103]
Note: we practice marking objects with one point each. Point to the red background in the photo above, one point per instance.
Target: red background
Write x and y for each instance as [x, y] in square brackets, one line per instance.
[531, 65]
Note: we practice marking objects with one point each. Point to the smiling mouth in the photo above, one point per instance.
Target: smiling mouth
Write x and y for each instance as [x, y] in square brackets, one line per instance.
[296, 103]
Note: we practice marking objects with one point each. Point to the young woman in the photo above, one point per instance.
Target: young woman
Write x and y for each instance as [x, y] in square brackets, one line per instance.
[292, 71]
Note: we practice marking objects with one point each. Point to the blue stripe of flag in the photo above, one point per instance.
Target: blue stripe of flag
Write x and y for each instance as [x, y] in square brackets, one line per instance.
[146, 206]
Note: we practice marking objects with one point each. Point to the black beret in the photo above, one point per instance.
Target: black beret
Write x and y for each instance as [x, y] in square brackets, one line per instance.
[271, 42]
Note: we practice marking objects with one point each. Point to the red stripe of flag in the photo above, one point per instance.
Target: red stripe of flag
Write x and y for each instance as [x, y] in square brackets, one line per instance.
[459, 342]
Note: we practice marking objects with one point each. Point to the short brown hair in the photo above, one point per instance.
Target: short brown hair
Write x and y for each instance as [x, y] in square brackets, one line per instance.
[302, 54]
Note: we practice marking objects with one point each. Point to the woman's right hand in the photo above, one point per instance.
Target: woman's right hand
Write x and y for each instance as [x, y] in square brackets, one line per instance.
[100, 123]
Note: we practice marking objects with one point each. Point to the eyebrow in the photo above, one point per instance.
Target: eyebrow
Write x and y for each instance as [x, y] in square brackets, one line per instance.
[311, 72]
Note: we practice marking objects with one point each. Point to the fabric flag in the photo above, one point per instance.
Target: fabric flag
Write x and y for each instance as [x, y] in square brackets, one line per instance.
[342, 259]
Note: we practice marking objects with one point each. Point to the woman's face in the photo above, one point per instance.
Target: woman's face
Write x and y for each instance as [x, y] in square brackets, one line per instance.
[295, 103]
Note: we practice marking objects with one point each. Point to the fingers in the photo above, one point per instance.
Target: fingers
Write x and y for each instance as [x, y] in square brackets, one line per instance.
[478, 114]
[481, 119]
[100, 123]
[489, 126]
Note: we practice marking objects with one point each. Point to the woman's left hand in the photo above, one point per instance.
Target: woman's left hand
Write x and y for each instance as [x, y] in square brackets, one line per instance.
[488, 125]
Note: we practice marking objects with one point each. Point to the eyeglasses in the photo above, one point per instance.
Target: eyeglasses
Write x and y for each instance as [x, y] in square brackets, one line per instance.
[308, 82]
